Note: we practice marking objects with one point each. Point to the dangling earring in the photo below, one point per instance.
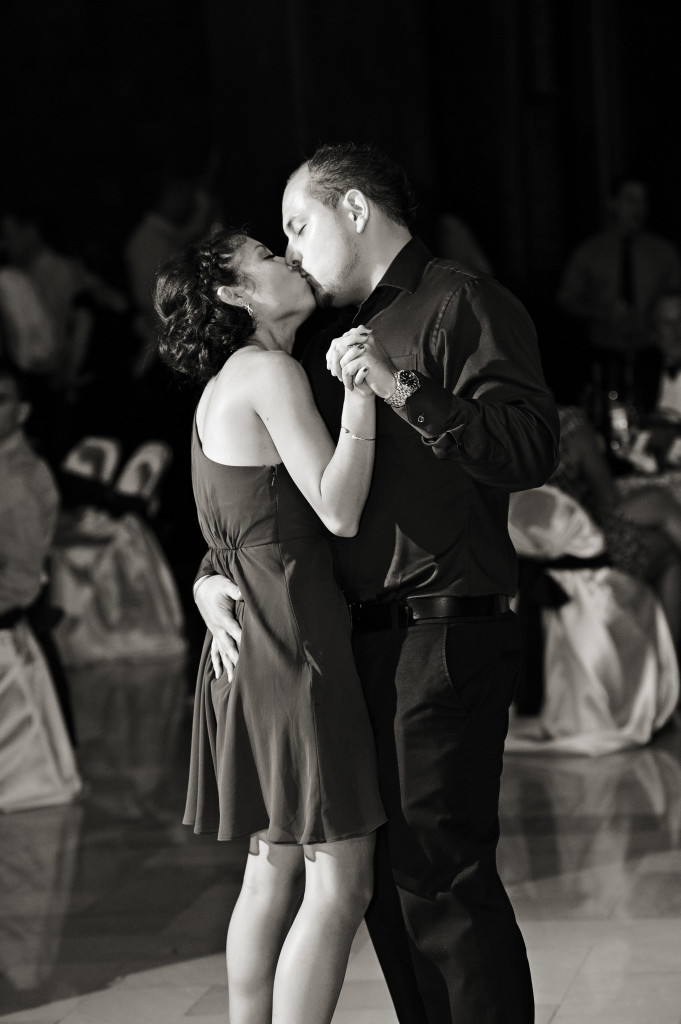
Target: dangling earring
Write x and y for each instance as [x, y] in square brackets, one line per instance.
[248, 310]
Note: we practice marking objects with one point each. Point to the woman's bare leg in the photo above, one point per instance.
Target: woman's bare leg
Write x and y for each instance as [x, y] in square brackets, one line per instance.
[314, 957]
[271, 891]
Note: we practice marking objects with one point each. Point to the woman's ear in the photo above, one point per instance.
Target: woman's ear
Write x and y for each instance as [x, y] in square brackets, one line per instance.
[229, 296]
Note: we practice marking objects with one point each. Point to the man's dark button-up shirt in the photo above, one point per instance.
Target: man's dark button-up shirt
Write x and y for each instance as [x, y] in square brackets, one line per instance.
[482, 424]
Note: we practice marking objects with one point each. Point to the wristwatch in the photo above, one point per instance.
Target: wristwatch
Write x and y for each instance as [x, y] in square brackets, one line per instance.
[406, 384]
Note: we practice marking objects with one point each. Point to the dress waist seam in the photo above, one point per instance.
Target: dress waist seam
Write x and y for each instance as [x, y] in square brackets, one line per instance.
[268, 543]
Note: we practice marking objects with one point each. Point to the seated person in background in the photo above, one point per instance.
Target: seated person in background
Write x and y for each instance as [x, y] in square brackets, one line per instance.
[666, 326]
[180, 214]
[29, 503]
[63, 286]
[609, 284]
[642, 528]
[59, 281]
[38, 765]
[26, 329]
[54, 276]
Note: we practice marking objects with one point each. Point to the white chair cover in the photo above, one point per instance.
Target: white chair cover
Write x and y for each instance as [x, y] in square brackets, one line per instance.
[141, 474]
[546, 523]
[111, 579]
[96, 458]
[611, 676]
[37, 765]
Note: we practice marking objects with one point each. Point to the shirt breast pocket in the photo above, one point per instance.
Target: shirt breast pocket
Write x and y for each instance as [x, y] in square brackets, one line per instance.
[404, 362]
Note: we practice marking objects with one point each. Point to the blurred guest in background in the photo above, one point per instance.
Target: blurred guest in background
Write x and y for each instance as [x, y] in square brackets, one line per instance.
[29, 503]
[38, 766]
[642, 528]
[62, 285]
[58, 280]
[180, 214]
[610, 283]
[666, 334]
[26, 329]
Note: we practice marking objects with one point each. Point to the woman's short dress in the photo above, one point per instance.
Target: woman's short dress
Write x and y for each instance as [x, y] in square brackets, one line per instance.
[286, 747]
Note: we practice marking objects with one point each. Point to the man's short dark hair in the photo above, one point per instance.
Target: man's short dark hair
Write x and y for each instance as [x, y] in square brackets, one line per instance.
[334, 169]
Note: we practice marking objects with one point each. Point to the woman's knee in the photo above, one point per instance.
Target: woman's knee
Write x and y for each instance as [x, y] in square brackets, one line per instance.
[342, 876]
[275, 873]
[361, 890]
[351, 901]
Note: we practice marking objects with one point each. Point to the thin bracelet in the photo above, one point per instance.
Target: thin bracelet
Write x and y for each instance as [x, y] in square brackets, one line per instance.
[356, 437]
[197, 583]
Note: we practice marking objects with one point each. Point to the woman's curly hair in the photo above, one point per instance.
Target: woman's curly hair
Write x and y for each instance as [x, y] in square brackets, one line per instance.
[199, 332]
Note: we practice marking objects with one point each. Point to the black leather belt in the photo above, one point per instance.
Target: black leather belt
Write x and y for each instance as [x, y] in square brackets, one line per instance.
[372, 615]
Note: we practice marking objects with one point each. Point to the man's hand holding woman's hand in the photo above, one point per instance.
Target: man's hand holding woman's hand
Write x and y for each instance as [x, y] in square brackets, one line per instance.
[215, 597]
[361, 363]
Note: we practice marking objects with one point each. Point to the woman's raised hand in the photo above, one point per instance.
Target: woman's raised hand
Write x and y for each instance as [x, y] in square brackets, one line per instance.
[352, 372]
[361, 362]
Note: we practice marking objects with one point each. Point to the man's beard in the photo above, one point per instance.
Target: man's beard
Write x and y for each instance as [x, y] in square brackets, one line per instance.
[326, 297]
[323, 298]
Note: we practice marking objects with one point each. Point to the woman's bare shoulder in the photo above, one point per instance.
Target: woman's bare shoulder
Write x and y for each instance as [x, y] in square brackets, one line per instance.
[254, 369]
[273, 371]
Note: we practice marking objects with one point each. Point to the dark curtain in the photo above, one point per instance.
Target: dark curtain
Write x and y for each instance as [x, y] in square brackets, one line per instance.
[512, 114]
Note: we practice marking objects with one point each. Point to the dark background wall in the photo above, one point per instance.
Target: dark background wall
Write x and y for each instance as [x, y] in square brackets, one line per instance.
[513, 114]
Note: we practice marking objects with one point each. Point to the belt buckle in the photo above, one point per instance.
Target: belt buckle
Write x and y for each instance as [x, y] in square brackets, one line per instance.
[401, 615]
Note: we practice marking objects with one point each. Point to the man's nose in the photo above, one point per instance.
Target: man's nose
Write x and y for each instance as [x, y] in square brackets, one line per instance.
[292, 257]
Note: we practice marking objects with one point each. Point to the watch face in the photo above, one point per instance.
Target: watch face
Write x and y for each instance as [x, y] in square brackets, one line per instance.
[406, 384]
[406, 377]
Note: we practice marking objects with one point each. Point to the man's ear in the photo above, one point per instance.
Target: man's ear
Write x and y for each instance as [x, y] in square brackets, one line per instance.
[229, 296]
[356, 205]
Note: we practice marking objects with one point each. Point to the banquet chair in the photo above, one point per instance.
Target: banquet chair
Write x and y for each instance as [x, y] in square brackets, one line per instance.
[141, 475]
[96, 458]
[610, 672]
[110, 576]
[37, 762]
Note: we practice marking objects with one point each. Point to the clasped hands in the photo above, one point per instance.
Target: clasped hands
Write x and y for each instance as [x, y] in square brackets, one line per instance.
[361, 363]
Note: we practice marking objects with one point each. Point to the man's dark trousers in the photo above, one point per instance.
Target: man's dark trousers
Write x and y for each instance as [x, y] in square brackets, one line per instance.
[442, 925]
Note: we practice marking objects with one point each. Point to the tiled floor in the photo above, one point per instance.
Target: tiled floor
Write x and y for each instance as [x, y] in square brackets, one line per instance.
[114, 913]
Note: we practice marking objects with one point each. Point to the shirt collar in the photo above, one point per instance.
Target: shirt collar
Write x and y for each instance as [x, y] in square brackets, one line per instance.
[407, 268]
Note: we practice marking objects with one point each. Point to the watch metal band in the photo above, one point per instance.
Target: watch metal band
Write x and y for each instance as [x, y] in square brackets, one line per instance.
[406, 384]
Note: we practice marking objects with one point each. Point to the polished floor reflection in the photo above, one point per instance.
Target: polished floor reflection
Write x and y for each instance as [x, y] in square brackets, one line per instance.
[112, 912]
